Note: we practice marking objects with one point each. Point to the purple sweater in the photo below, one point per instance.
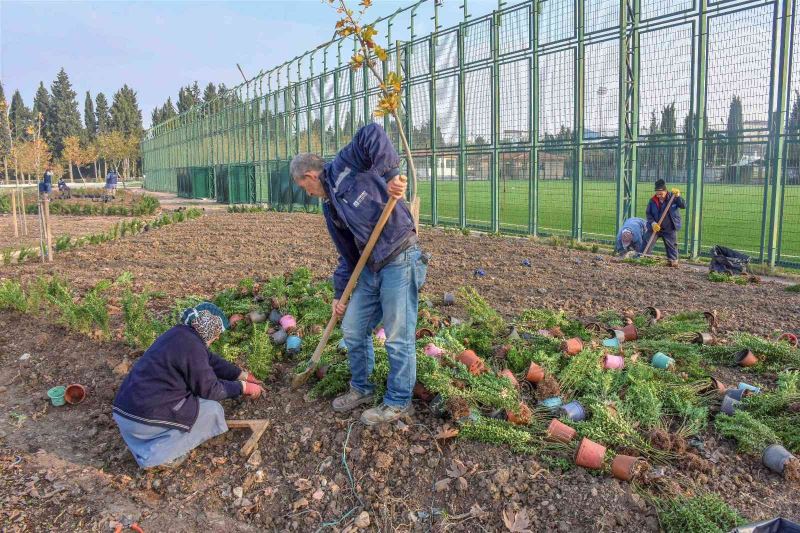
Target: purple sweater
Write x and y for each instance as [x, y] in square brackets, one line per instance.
[163, 387]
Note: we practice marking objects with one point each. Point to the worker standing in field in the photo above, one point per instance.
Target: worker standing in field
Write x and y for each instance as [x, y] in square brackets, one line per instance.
[631, 237]
[668, 229]
[111, 183]
[355, 187]
[46, 185]
[168, 403]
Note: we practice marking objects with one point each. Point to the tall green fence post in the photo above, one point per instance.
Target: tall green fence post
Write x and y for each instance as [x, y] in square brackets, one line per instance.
[695, 185]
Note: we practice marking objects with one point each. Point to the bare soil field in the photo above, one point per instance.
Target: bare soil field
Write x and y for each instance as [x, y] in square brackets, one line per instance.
[67, 468]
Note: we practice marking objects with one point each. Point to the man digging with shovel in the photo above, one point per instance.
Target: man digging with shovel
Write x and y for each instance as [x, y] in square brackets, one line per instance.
[358, 189]
[668, 228]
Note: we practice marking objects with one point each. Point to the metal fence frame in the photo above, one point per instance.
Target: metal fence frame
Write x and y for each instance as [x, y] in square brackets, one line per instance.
[286, 110]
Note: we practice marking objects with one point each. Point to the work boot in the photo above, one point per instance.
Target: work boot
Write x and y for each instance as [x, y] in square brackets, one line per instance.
[385, 413]
[673, 263]
[350, 400]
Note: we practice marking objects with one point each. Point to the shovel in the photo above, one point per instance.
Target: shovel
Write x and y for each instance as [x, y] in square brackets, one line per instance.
[652, 239]
[299, 379]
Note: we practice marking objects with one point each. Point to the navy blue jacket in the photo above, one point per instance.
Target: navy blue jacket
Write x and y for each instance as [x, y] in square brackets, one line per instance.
[638, 228]
[111, 178]
[672, 222]
[356, 185]
[163, 387]
[46, 185]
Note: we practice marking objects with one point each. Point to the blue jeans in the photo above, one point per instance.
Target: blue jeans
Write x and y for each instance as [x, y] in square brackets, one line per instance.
[390, 295]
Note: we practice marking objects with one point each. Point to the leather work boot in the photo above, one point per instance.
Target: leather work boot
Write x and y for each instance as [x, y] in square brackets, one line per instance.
[350, 400]
[385, 413]
[673, 263]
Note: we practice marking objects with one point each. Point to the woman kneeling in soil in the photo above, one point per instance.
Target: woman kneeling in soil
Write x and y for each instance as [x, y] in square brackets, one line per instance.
[169, 402]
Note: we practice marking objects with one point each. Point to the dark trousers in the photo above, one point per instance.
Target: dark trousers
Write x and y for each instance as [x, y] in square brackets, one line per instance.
[670, 239]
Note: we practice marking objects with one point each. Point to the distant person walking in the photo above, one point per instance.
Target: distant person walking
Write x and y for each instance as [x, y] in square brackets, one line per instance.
[111, 183]
[46, 185]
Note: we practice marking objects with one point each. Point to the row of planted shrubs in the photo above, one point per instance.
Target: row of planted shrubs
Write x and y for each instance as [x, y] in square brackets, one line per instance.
[120, 229]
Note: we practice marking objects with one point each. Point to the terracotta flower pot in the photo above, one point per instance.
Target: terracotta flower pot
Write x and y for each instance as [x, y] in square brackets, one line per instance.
[590, 454]
[572, 346]
[613, 362]
[421, 393]
[74, 394]
[560, 432]
[624, 467]
[423, 333]
[235, 319]
[506, 373]
[631, 334]
[791, 338]
[717, 386]
[535, 373]
[746, 358]
[521, 419]
[473, 363]
[655, 313]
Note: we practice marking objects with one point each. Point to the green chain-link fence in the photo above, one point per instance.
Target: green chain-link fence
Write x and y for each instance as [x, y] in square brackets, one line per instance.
[550, 117]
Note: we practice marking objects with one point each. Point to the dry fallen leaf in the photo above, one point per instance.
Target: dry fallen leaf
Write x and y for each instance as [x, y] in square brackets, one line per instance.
[302, 484]
[447, 432]
[517, 522]
[299, 504]
[457, 469]
[442, 484]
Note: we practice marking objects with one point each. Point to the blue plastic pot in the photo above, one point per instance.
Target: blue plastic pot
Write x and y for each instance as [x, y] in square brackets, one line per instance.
[611, 343]
[736, 394]
[56, 395]
[342, 347]
[573, 410]
[551, 403]
[293, 342]
[662, 361]
[750, 388]
[729, 405]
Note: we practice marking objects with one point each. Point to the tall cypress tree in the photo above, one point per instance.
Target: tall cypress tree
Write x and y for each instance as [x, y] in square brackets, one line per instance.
[102, 113]
[63, 119]
[41, 104]
[19, 117]
[5, 132]
[126, 117]
[209, 93]
[168, 111]
[155, 116]
[734, 130]
[89, 118]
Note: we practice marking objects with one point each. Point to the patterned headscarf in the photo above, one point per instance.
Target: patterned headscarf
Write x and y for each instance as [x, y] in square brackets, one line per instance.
[208, 325]
[627, 237]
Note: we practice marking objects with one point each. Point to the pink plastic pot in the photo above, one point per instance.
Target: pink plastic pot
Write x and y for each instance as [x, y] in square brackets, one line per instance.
[791, 338]
[381, 335]
[288, 322]
[613, 362]
[432, 350]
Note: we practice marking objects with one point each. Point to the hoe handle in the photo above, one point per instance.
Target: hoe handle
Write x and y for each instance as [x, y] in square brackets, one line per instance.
[652, 238]
[299, 379]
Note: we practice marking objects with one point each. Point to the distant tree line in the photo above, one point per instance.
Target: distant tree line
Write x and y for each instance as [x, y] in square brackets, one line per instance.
[52, 132]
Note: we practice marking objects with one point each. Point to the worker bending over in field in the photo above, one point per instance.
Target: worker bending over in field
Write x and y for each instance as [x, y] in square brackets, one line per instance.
[631, 236]
[668, 229]
[169, 402]
[355, 187]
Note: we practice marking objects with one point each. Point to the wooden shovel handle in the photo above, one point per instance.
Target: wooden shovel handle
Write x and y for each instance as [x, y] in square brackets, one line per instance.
[652, 238]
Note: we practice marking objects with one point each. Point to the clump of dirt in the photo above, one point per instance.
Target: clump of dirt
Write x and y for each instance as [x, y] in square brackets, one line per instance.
[500, 352]
[660, 439]
[679, 445]
[794, 407]
[457, 407]
[694, 462]
[640, 469]
[791, 471]
[547, 388]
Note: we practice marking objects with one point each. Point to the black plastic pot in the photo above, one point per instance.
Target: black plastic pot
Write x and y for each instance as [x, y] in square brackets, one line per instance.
[775, 458]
